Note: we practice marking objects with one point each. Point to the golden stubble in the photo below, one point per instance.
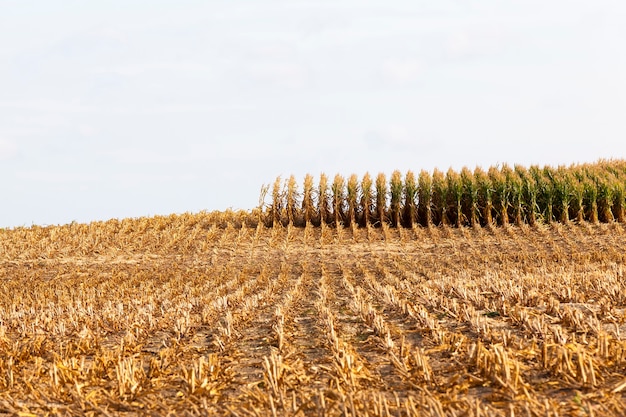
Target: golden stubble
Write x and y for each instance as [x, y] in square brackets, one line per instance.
[216, 314]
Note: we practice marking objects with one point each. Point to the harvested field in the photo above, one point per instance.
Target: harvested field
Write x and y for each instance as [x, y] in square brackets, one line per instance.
[192, 316]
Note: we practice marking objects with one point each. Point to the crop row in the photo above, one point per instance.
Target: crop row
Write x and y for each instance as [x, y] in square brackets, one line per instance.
[498, 196]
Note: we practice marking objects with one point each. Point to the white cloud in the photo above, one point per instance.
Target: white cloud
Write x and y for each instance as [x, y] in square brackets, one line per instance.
[52, 177]
[142, 156]
[459, 43]
[8, 149]
[287, 74]
[56, 107]
[131, 70]
[392, 137]
[401, 71]
[86, 130]
[46, 105]
[134, 180]
[112, 33]
[481, 41]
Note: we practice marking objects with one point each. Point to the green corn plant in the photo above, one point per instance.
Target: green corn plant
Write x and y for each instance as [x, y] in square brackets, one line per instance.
[590, 200]
[546, 196]
[439, 198]
[381, 199]
[618, 182]
[615, 179]
[529, 195]
[395, 198]
[616, 167]
[619, 197]
[500, 195]
[608, 166]
[508, 174]
[409, 214]
[338, 200]
[619, 170]
[485, 196]
[470, 202]
[604, 199]
[543, 197]
[545, 182]
[424, 202]
[620, 191]
[516, 185]
[563, 193]
[577, 197]
[559, 194]
[353, 195]
[455, 197]
[366, 202]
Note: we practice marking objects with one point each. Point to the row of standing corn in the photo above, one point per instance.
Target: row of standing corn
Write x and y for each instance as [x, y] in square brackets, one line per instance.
[498, 196]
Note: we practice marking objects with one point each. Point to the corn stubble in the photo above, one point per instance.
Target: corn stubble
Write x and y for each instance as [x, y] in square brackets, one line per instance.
[392, 315]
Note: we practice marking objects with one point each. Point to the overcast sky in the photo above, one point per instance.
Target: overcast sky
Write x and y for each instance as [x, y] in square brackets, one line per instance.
[132, 108]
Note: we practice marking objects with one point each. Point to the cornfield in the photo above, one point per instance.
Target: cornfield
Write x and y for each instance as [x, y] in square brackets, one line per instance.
[403, 312]
[501, 196]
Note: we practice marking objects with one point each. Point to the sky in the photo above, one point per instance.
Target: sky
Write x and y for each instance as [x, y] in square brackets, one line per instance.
[137, 108]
